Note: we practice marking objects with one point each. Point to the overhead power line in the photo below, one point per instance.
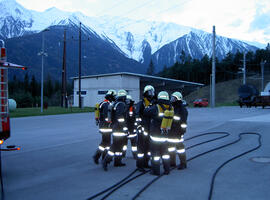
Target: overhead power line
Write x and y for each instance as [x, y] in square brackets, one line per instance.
[135, 9]
[111, 8]
[153, 16]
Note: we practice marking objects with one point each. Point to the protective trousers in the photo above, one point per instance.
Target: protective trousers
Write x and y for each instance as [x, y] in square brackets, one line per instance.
[143, 154]
[115, 151]
[133, 141]
[104, 145]
[159, 150]
[176, 146]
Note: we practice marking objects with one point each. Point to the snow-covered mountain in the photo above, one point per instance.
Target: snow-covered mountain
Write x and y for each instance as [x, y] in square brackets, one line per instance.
[135, 39]
[197, 44]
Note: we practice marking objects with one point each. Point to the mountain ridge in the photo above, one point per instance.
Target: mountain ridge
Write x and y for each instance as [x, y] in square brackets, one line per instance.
[140, 40]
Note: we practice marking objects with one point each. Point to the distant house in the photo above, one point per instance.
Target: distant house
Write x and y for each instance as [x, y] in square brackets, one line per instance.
[94, 87]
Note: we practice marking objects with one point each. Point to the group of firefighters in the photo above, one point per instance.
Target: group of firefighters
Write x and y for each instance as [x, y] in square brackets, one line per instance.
[155, 127]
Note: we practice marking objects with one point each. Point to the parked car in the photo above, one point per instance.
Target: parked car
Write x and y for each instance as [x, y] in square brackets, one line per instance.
[200, 102]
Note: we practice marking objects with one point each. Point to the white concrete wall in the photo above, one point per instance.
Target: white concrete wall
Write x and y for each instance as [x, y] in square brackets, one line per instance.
[93, 85]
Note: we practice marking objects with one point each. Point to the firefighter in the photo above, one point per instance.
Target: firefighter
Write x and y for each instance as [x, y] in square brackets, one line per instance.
[117, 115]
[176, 136]
[161, 116]
[132, 132]
[101, 112]
[143, 125]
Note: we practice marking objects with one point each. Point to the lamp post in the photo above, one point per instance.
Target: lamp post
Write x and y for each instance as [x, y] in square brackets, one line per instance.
[262, 71]
[42, 53]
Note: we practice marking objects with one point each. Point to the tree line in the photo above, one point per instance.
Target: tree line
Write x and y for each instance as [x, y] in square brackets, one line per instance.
[27, 92]
[196, 70]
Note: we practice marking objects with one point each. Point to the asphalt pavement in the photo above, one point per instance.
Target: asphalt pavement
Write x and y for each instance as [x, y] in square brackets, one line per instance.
[55, 160]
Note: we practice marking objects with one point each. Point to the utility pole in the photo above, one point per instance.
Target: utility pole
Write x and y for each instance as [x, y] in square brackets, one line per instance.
[64, 81]
[42, 70]
[244, 69]
[80, 47]
[42, 54]
[213, 92]
[262, 71]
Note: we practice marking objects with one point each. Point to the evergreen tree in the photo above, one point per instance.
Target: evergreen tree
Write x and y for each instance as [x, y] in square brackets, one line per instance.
[183, 57]
[151, 68]
[268, 47]
[48, 87]
[33, 87]
[26, 83]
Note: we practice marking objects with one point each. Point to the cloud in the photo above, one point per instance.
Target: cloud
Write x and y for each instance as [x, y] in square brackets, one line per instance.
[261, 21]
[236, 23]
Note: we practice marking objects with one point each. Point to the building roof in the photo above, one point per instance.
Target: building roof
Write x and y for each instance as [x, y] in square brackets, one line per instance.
[143, 77]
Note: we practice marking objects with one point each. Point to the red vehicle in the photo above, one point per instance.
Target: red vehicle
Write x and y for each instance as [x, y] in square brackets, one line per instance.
[200, 102]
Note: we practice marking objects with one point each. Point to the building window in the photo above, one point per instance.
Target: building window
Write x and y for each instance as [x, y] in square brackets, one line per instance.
[82, 92]
[102, 92]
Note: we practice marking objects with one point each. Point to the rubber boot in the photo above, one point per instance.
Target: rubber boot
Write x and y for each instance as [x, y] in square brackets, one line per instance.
[104, 154]
[106, 161]
[183, 161]
[134, 154]
[145, 162]
[97, 156]
[124, 154]
[166, 166]
[172, 159]
[118, 162]
[155, 168]
[139, 164]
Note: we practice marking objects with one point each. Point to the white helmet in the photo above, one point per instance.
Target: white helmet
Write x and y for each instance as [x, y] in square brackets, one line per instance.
[149, 91]
[178, 96]
[129, 97]
[148, 87]
[111, 92]
[122, 93]
[163, 95]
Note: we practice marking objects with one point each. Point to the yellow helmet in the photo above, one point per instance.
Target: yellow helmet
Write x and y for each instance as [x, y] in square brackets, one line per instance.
[163, 95]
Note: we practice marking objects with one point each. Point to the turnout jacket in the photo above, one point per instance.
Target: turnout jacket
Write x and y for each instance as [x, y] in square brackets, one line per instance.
[152, 112]
[103, 110]
[140, 107]
[180, 117]
[131, 117]
[119, 115]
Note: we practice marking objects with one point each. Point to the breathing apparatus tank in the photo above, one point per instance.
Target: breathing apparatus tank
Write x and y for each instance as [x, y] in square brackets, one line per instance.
[165, 111]
[167, 119]
[97, 114]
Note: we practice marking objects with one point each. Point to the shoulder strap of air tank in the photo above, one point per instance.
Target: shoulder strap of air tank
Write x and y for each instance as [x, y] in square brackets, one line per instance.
[161, 108]
[118, 103]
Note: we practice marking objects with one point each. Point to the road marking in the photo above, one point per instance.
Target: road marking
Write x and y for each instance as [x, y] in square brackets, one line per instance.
[260, 118]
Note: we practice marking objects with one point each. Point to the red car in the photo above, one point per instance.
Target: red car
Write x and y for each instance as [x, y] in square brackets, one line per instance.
[200, 102]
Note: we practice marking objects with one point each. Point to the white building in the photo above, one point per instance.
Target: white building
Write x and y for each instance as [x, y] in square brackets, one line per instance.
[94, 87]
